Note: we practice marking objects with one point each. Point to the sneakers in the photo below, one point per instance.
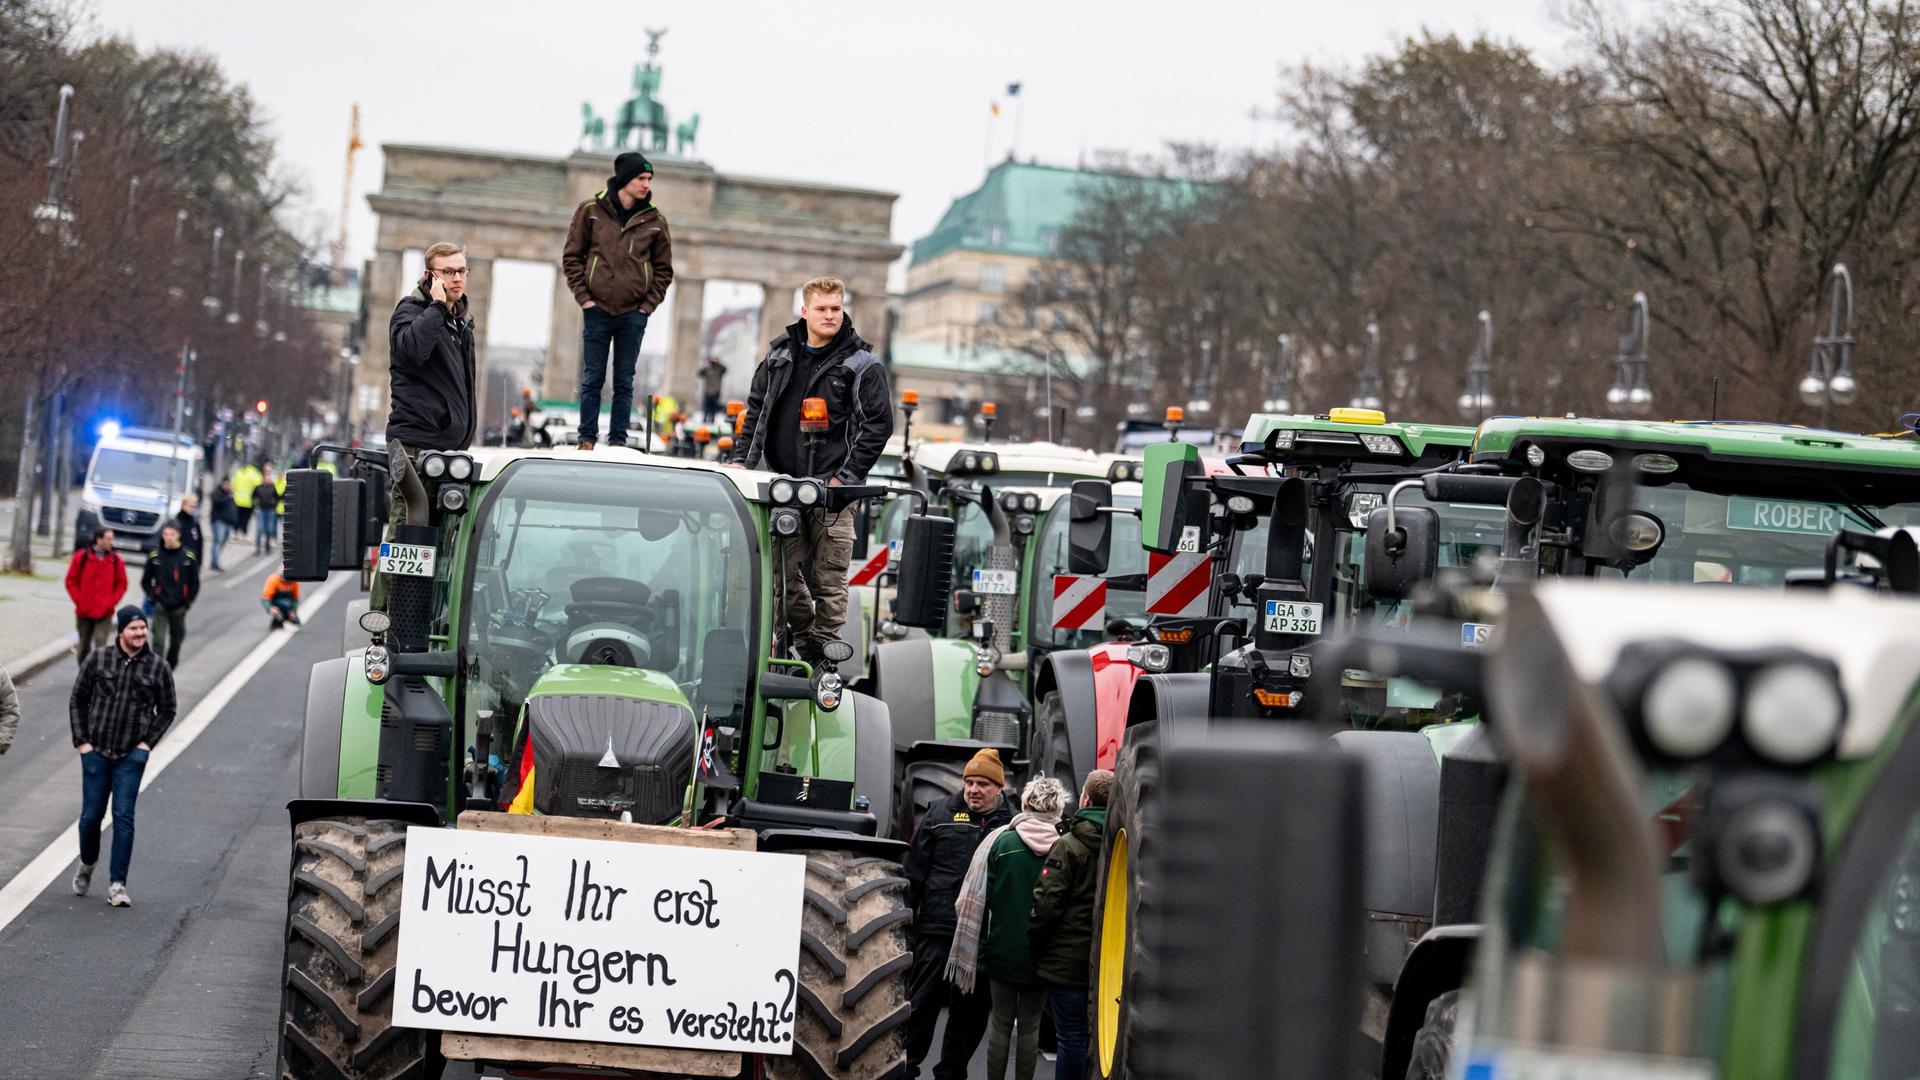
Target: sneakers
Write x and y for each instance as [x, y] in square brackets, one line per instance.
[117, 895]
[585, 444]
[83, 879]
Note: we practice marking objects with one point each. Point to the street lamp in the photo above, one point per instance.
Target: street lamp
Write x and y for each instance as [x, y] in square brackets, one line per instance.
[1630, 391]
[233, 309]
[1367, 396]
[174, 290]
[1202, 400]
[210, 301]
[1477, 398]
[1829, 379]
[1281, 401]
[260, 326]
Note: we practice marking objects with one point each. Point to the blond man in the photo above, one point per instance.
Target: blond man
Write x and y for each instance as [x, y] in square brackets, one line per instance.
[819, 356]
[430, 339]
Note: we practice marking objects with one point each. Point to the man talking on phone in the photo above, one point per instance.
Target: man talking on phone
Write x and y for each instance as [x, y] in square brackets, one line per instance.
[430, 339]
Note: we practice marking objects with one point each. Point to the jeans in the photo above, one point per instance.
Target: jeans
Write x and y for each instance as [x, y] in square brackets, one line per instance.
[1015, 1005]
[285, 608]
[1069, 1004]
[221, 530]
[623, 333]
[100, 777]
[816, 602]
[168, 627]
[269, 529]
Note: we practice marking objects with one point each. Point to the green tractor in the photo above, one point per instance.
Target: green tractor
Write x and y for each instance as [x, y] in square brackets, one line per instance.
[586, 639]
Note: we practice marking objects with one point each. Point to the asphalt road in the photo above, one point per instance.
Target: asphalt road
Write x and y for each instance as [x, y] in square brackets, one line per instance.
[185, 984]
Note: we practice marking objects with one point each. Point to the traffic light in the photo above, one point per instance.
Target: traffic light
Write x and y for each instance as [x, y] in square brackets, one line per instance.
[260, 406]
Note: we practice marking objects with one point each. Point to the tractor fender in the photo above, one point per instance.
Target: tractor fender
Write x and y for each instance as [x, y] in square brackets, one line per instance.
[1402, 799]
[1438, 963]
[351, 636]
[302, 811]
[320, 736]
[1174, 700]
[831, 840]
[903, 678]
[873, 754]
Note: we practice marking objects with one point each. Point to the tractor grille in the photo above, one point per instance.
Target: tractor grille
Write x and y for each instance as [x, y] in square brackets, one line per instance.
[584, 789]
[138, 519]
[1000, 728]
[597, 755]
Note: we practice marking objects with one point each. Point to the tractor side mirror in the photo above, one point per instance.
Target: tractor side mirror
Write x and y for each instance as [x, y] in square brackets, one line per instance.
[306, 538]
[1173, 515]
[1403, 549]
[349, 513]
[1089, 531]
[926, 572]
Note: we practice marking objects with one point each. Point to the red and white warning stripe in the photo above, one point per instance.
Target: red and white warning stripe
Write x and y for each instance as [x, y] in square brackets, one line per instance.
[865, 572]
[1177, 584]
[1079, 602]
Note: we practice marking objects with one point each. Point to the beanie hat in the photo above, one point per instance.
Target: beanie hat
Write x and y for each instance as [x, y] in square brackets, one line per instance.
[625, 168]
[127, 615]
[986, 765]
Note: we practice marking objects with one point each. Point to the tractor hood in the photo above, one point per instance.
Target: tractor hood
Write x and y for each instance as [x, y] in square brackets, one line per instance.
[608, 741]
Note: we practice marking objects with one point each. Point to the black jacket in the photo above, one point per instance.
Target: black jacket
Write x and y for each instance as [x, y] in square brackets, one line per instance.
[1060, 926]
[172, 577]
[431, 364]
[190, 537]
[859, 404]
[937, 860]
[121, 701]
[225, 509]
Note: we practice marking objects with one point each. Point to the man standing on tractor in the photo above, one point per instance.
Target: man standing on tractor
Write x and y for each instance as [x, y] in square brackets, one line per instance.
[618, 261]
[713, 376]
[1060, 931]
[121, 705]
[942, 849]
[819, 360]
[430, 339]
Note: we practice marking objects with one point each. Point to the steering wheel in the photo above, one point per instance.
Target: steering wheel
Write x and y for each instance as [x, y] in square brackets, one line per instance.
[635, 615]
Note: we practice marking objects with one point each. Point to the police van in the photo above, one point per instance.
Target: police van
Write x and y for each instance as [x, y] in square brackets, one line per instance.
[127, 489]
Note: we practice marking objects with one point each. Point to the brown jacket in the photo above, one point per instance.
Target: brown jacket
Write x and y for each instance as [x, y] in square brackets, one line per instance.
[619, 268]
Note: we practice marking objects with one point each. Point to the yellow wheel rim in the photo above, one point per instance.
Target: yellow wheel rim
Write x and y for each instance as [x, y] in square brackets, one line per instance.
[1113, 951]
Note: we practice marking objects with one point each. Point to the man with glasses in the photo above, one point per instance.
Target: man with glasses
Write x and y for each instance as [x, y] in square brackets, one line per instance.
[431, 404]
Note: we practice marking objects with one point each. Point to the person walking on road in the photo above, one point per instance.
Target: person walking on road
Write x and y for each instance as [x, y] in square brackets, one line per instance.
[1060, 930]
[990, 936]
[226, 512]
[618, 260]
[189, 521]
[9, 711]
[943, 847]
[172, 582]
[96, 580]
[266, 511]
[820, 356]
[246, 479]
[431, 342]
[281, 599]
[713, 375]
[122, 703]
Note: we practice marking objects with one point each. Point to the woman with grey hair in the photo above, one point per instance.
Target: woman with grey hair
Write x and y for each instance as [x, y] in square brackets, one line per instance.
[991, 937]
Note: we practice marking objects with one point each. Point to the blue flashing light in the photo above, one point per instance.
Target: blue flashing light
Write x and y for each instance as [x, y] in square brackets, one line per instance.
[109, 429]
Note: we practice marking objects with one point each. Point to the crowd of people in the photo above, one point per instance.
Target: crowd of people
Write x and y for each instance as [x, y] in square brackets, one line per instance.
[1003, 922]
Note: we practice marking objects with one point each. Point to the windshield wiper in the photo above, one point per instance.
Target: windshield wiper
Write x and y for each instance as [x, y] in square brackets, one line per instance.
[1859, 511]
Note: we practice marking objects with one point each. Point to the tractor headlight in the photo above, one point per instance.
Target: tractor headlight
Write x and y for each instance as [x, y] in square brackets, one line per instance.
[1283, 439]
[780, 491]
[890, 630]
[985, 659]
[1793, 713]
[434, 465]
[1023, 524]
[1030, 503]
[826, 690]
[970, 462]
[1688, 707]
[786, 522]
[1636, 532]
[460, 468]
[1010, 502]
[453, 497]
[379, 664]
[1240, 505]
[1590, 461]
[808, 493]
[1380, 444]
[1536, 455]
[375, 622]
[1767, 851]
[1155, 658]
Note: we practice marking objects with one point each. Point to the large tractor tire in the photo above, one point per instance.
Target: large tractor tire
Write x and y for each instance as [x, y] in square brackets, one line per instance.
[854, 963]
[923, 784]
[1052, 753]
[1121, 897]
[1433, 1045]
[343, 917]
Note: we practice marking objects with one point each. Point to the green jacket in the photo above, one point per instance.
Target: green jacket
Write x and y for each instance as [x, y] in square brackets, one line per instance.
[1012, 871]
[1060, 930]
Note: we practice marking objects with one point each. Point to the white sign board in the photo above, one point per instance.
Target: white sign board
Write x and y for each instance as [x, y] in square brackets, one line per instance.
[599, 940]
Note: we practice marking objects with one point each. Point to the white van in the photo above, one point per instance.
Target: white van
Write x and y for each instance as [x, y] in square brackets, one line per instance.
[126, 488]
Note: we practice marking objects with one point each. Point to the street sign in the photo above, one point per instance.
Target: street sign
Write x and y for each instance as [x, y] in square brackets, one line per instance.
[1788, 516]
[1177, 584]
[1079, 602]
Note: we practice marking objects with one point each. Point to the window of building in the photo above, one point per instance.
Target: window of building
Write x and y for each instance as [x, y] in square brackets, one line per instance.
[993, 277]
[989, 313]
[1051, 238]
[996, 235]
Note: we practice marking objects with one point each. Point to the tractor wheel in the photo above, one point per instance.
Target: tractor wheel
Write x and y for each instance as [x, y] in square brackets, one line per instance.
[1121, 897]
[854, 963]
[1433, 1045]
[1054, 756]
[336, 998]
[921, 786]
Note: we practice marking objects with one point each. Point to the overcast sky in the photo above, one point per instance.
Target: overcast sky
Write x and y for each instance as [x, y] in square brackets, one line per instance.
[889, 95]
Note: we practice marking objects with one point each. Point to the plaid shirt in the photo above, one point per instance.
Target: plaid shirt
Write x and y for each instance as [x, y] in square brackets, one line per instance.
[120, 701]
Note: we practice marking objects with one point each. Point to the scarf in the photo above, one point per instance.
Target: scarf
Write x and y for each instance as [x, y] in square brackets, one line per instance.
[970, 907]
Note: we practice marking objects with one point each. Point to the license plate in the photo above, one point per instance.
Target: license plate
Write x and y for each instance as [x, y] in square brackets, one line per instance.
[1526, 1063]
[1475, 635]
[407, 560]
[1287, 617]
[996, 582]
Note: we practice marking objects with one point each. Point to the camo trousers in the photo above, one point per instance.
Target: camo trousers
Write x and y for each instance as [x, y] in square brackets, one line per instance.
[814, 570]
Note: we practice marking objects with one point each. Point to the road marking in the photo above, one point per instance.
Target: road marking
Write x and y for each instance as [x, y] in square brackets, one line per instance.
[246, 569]
[51, 864]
